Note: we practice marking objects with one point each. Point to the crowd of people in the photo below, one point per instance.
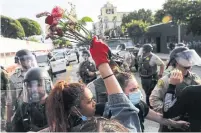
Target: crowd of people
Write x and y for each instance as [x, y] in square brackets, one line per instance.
[110, 100]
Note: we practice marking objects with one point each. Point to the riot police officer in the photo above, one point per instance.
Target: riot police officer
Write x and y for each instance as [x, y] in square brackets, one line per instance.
[87, 69]
[183, 59]
[187, 105]
[4, 88]
[30, 115]
[148, 63]
[26, 60]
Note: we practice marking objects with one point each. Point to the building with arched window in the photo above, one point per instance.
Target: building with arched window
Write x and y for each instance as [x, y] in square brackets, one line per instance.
[109, 18]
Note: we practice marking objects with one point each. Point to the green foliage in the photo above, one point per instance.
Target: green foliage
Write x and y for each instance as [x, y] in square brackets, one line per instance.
[11, 28]
[158, 16]
[136, 28]
[141, 14]
[183, 12]
[31, 27]
[62, 41]
[177, 9]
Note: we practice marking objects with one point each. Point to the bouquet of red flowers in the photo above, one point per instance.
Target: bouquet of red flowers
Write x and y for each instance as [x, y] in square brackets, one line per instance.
[63, 24]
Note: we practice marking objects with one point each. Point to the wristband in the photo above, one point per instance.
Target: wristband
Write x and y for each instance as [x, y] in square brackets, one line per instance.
[108, 76]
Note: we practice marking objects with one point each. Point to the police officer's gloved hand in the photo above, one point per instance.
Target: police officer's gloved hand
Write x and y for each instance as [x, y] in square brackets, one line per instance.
[99, 51]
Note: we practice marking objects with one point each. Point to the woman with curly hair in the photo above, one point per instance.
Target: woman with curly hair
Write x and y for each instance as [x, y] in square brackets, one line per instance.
[69, 106]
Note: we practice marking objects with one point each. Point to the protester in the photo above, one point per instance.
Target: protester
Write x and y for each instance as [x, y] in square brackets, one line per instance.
[187, 105]
[71, 104]
[132, 90]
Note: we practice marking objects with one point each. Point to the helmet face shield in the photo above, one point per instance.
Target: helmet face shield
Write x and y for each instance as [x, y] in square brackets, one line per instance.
[188, 58]
[35, 91]
[28, 61]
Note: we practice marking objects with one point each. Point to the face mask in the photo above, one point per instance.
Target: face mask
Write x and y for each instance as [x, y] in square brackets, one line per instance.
[135, 97]
[84, 118]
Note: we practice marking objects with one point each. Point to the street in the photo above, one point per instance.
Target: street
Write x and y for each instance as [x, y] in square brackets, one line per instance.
[71, 76]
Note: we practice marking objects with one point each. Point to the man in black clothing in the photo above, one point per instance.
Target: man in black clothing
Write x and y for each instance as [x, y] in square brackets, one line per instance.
[187, 105]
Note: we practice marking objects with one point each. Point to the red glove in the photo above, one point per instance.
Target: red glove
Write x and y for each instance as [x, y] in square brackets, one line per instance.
[99, 52]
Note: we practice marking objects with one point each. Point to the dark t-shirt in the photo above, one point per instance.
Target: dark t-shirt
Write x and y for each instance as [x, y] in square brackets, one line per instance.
[188, 103]
[143, 111]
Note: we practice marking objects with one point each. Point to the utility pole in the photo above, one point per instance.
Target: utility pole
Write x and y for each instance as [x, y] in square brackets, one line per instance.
[179, 33]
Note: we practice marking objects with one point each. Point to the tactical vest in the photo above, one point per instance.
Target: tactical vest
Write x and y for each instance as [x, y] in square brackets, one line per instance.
[100, 90]
[84, 68]
[146, 70]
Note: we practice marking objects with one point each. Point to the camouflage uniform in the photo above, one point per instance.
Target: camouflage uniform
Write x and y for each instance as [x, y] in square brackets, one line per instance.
[4, 87]
[158, 94]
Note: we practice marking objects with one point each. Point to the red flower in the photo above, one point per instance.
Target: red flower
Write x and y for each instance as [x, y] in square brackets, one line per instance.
[57, 12]
[49, 20]
[59, 32]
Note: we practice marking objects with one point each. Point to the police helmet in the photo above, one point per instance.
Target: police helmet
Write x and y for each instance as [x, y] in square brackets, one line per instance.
[37, 84]
[147, 48]
[171, 46]
[25, 58]
[180, 45]
[86, 52]
[184, 56]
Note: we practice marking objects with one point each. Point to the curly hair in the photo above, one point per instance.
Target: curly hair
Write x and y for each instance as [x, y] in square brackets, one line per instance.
[100, 124]
[60, 101]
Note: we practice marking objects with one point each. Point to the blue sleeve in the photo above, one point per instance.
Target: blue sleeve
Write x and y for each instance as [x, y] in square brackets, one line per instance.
[124, 111]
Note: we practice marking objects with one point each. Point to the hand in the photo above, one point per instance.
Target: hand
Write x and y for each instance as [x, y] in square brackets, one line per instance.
[181, 125]
[91, 73]
[99, 52]
[176, 77]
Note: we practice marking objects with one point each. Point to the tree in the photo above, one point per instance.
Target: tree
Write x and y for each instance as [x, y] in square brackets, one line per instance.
[11, 28]
[158, 16]
[31, 27]
[194, 18]
[136, 29]
[141, 14]
[178, 9]
[183, 12]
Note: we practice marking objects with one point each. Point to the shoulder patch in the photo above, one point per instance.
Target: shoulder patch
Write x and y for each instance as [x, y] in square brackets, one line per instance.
[160, 83]
[198, 80]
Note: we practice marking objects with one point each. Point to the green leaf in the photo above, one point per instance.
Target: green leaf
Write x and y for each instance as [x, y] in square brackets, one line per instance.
[86, 19]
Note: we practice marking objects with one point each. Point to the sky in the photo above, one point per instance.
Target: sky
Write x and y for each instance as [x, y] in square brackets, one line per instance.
[29, 8]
